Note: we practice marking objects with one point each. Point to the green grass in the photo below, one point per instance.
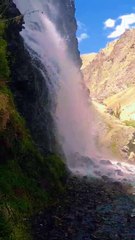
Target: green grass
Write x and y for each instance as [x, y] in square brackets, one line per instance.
[130, 123]
[29, 181]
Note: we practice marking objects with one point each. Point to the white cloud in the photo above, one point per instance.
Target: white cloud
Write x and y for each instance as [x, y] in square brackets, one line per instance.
[127, 22]
[82, 37]
[82, 32]
[109, 23]
[81, 26]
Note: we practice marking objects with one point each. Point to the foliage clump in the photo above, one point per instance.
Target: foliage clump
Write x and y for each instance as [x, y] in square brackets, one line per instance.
[130, 123]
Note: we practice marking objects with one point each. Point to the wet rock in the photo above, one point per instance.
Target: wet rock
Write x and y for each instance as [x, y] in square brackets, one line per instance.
[119, 164]
[133, 213]
[106, 162]
[91, 209]
[119, 172]
[105, 178]
[98, 173]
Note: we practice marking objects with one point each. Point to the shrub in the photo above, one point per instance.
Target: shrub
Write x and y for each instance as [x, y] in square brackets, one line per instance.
[130, 123]
[117, 111]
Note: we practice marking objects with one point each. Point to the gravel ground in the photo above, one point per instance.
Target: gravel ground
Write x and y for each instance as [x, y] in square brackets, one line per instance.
[90, 209]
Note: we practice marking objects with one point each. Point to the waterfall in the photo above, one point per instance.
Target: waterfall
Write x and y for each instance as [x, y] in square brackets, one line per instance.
[73, 113]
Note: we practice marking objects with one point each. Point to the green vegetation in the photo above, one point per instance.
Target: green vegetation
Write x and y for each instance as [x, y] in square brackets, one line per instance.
[4, 68]
[130, 123]
[29, 181]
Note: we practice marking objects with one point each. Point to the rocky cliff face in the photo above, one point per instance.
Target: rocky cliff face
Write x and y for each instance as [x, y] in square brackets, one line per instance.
[112, 69]
[28, 85]
[66, 24]
[110, 77]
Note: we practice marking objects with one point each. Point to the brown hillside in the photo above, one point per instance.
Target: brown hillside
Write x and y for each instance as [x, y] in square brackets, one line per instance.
[113, 68]
[110, 77]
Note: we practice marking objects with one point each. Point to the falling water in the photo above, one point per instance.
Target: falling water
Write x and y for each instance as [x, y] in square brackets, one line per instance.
[73, 114]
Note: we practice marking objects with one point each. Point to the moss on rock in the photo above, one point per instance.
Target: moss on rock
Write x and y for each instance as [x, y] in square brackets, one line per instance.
[28, 180]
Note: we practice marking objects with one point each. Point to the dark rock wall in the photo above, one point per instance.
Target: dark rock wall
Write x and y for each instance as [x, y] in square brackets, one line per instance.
[67, 26]
[28, 86]
[27, 82]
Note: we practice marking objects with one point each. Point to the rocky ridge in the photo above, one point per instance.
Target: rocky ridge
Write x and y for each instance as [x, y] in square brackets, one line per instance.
[112, 69]
[109, 75]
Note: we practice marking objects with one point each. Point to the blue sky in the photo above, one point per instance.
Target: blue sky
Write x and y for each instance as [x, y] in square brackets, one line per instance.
[101, 21]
